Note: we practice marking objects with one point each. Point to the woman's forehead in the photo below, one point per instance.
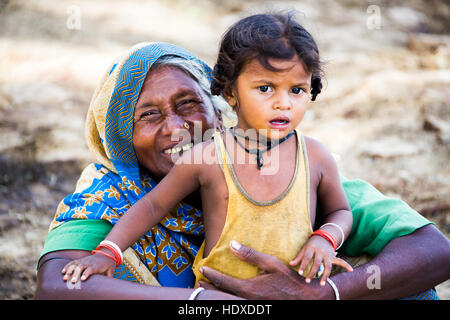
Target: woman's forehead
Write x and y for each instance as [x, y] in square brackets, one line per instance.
[166, 80]
[166, 74]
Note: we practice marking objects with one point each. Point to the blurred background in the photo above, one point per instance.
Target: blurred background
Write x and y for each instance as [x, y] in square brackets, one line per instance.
[384, 109]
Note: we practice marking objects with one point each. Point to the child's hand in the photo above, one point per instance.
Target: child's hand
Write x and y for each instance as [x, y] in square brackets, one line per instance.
[85, 267]
[323, 253]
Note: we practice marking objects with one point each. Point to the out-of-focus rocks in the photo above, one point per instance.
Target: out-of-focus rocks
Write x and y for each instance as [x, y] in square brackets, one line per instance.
[389, 147]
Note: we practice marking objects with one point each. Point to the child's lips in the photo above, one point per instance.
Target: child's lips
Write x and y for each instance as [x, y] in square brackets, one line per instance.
[279, 123]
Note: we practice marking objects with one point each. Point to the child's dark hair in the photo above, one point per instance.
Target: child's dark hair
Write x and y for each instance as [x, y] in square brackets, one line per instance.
[265, 36]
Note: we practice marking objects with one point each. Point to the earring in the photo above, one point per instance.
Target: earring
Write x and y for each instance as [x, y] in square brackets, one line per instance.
[186, 125]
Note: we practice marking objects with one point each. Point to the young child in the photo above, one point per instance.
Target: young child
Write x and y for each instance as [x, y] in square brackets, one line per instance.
[267, 178]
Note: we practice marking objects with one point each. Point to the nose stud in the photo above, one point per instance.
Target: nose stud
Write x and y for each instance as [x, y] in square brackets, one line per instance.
[186, 125]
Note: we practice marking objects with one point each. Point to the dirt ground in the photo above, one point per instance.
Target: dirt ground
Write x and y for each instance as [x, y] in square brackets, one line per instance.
[384, 110]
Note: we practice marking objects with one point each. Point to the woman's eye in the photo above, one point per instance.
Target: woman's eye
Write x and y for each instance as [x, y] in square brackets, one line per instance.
[150, 115]
[186, 102]
[297, 90]
[265, 88]
[187, 105]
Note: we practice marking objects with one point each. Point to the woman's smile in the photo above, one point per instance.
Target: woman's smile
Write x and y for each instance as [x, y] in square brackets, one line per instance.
[178, 149]
[171, 104]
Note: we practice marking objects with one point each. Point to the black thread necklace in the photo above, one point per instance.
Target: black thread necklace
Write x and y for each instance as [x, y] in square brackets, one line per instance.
[258, 152]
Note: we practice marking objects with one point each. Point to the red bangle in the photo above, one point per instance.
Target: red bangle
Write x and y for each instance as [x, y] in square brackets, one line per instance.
[117, 256]
[106, 254]
[327, 236]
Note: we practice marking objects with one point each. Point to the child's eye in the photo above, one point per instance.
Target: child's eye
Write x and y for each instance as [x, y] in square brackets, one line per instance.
[297, 90]
[265, 88]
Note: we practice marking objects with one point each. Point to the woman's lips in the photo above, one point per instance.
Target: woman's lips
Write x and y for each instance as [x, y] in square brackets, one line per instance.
[173, 153]
[178, 149]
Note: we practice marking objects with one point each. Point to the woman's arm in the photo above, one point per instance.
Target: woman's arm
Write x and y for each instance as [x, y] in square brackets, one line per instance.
[50, 284]
[409, 264]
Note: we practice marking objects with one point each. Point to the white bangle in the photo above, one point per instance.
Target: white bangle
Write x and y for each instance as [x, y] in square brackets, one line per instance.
[340, 229]
[335, 289]
[115, 246]
[195, 293]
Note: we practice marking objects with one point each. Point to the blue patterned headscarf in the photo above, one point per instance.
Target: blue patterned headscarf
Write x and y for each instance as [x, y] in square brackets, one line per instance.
[109, 187]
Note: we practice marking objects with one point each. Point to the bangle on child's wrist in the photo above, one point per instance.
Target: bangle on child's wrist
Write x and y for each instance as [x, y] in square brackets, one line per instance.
[326, 235]
[113, 248]
[339, 228]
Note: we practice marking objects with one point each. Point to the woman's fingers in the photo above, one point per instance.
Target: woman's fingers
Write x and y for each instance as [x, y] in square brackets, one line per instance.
[206, 285]
[222, 281]
[263, 261]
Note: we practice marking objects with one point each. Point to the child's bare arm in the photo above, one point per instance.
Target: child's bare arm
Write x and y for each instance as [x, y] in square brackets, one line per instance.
[154, 206]
[331, 196]
[139, 219]
[336, 216]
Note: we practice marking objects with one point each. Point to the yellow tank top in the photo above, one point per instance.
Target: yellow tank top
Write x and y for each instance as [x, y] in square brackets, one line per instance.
[279, 227]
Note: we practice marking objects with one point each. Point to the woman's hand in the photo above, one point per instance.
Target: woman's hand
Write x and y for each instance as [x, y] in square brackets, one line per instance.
[277, 282]
[87, 266]
[321, 252]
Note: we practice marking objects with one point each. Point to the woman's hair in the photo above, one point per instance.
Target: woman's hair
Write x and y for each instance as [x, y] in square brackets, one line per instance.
[193, 69]
[265, 36]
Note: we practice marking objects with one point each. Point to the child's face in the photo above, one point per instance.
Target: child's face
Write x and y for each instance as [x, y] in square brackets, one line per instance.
[271, 101]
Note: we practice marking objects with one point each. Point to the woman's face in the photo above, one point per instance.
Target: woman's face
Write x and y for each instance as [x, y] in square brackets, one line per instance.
[170, 103]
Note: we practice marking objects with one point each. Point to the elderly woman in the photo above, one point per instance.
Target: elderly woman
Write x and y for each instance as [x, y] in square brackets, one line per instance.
[150, 95]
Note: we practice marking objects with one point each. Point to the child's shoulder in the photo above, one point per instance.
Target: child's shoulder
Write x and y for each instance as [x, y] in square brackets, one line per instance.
[317, 151]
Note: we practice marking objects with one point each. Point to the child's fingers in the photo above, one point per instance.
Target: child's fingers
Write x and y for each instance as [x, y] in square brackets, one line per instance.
[87, 273]
[314, 268]
[326, 273]
[68, 269]
[307, 256]
[77, 272]
[298, 258]
[110, 272]
[342, 263]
